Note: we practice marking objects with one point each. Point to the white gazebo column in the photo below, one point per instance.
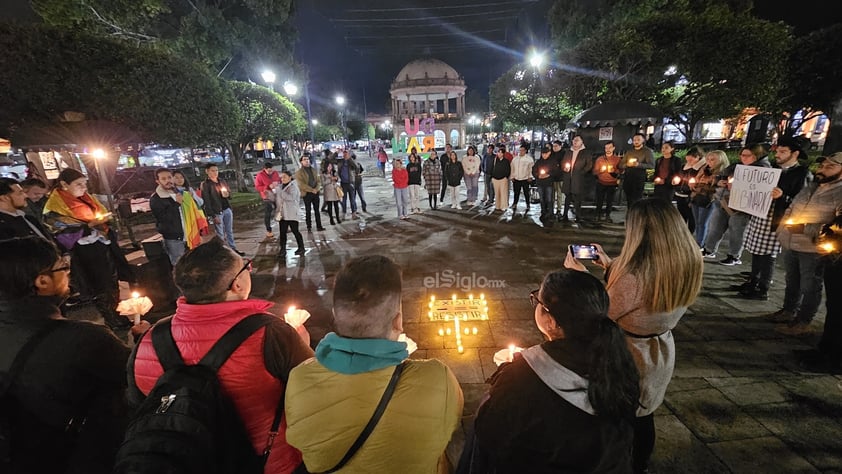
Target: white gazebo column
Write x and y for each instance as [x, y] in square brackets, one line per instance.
[446, 105]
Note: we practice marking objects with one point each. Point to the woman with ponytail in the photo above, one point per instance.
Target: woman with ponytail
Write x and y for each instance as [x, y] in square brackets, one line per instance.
[653, 281]
[566, 405]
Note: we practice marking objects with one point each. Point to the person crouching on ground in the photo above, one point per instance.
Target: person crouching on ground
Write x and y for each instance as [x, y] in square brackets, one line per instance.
[332, 397]
[583, 379]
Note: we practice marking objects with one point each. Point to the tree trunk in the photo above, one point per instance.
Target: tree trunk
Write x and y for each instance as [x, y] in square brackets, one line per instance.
[237, 160]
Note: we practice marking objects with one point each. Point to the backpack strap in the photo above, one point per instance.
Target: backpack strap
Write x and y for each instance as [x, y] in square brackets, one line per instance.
[165, 348]
[23, 355]
[233, 338]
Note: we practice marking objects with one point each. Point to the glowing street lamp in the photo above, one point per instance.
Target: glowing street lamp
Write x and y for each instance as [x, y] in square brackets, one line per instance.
[314, 122]
[536, 59]
[290, 88]
[340, 101]
[269, 78]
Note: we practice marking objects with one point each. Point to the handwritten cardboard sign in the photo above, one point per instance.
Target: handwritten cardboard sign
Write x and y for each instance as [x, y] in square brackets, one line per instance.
[751, 191]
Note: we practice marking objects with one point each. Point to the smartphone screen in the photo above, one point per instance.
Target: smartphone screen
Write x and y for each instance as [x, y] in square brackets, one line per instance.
[584, 252]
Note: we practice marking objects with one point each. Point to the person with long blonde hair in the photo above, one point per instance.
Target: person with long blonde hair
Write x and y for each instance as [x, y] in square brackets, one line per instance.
[704, 196]
[653, 281]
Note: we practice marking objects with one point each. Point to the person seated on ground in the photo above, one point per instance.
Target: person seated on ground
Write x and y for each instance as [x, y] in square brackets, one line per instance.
[566, 405]
[332, 397]
[65, 407]
[215, 283]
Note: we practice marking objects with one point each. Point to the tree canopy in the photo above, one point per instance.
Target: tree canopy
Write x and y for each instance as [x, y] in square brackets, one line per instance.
[164, 98]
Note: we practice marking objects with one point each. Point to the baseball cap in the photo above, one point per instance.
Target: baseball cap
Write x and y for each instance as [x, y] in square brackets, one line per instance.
[835, 158]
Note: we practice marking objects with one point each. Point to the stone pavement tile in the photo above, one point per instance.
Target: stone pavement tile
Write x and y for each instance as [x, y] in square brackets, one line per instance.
[819, 391]
[742, 358]
[811, 433]
[706, 303]
[465, 366]
[714, 326]
[520, 333]
[424, 334]
[755, 393]
[750, 306]
[684, 332]
[519, 308]
[712, 417]
[678, 450]
[761, 455]
[486, 357]
[729, 381]
[680, 384]
[691, 361]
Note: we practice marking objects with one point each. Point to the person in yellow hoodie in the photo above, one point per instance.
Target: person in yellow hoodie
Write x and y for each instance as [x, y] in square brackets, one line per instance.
[331, 398]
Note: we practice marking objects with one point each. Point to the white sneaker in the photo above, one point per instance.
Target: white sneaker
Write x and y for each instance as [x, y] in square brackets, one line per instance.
[458, 207]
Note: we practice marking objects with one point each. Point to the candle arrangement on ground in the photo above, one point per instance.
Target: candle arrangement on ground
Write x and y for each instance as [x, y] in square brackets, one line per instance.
[459, 312]
[134, 307]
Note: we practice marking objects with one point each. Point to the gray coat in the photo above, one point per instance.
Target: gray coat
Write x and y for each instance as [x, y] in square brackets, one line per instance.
[329, 188]
[288, 202]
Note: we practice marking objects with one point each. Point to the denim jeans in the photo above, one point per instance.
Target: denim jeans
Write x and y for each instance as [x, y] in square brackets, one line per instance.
[520, 186]
[225, 230]
[489, 188]
[803, 294]
[701, 216]
[737, 224]
[358, 187]
[175, 249]
[402, 200]
[547, 194]
[350, 192]
[717, 225]
[268, 214]
[472, 185]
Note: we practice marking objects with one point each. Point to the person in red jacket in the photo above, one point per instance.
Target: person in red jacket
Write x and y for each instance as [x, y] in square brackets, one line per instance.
[215, 283]
[265, 183]
[400, 180]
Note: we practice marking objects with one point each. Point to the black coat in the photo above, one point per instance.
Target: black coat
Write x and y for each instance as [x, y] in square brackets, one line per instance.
[792, 181]
[167, 212]
[453, 173]
[77, 371]
[524, 426]
[414, 170]
[501, 168]
[212, 195]
[21, 226]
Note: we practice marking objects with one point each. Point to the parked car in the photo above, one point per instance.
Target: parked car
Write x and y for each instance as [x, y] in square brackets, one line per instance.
[13, 166]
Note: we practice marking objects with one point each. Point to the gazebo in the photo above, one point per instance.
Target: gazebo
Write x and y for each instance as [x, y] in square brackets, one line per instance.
[617, 121]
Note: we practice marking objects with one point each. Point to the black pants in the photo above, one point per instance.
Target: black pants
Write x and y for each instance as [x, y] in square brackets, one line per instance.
[333, 208]
[520, 185]
[282, 239]
[546, 191]
[831, 341]
[634, 190]
[489, 188]
[576, 201]
[762, 270]
[311, 206]
[605, 195]
[683, 206]
[663, 191]
[268, 212]
[644, 442]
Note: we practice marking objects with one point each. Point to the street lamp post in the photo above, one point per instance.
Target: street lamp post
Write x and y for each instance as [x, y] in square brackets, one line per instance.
[269, 78]
[536, 60]
[340, 101]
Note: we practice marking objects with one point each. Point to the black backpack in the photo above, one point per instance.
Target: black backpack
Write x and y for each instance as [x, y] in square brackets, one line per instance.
[186, 424]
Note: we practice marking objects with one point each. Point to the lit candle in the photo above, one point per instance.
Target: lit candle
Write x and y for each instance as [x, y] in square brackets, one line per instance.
[632, 162]
[730, 180]
[658, 180]
[467, 331]
[482, 296]
[98, 215]
[567, 167]
[789, 221]
[432, 298]
[610, 168]
[474, 330]
[430, 314]
[603, 169]
[511, 352]
[441, 331]
[457, 325]
[447, 331]
[460, 349]
[827, 247]
[543, 172]
[135, 295]
[453, 298]
[676, 180]
[471, 297]
[692, 181]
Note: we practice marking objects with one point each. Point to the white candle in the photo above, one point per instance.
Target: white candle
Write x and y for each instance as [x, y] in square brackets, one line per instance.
[511, 352]
[676, 180]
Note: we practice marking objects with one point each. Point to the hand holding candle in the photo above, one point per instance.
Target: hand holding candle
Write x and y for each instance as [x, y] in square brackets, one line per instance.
[411, 346]
[296, 317]
[676, 180]
[223, 190]
[658, 180]
[506, 355]
[134, 307]
[567, 166]
[632, 162]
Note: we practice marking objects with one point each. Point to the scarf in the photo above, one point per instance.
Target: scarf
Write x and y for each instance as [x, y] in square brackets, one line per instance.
[70, 211]
[355, 356]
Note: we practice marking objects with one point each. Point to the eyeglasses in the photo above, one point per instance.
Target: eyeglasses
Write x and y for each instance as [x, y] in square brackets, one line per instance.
[246, 266]
[65, 266]
[533, 298]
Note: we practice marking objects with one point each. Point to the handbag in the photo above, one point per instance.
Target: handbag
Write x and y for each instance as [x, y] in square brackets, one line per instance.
[339, 191]
[378, 412]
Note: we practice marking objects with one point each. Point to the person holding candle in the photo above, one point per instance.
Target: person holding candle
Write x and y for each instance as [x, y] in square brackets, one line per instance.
[633, 165]
[693, 162]
[80, 225]
[667, 168]
[215, 284]
[578, 166]
[66, 407]
[331, 398]
[705, 193]
[545, 172]
[216, 192]
[521, 177]
[265, 182]
[653, 281]
[815, 208]
[582, 379]
[606, 169]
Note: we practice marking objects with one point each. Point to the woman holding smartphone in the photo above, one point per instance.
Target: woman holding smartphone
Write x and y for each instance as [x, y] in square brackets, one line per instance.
[653, 281]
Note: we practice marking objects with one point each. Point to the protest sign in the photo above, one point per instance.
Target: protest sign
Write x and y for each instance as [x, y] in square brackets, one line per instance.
[751, 190]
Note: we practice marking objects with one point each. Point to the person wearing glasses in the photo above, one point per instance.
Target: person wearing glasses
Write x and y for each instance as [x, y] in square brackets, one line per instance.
[215, 283]
[68, 390]
[653, 281]
[583, 379]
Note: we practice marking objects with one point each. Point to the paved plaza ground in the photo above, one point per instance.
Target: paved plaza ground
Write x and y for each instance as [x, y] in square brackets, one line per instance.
[737, 403]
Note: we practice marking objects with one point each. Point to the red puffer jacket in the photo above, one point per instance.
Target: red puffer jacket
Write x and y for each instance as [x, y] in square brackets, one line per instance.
[244, 376]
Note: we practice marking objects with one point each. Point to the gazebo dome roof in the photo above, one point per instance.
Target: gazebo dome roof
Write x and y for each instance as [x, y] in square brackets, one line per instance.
[427, 68]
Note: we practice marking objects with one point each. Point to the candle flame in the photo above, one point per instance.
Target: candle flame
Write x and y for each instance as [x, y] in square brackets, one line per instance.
[135, 294]
[604, 169]
[460, 349]
[676, 180]
[474, 330]
[827, 247]
[789, 222]
[692, 181]
[441, 332]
